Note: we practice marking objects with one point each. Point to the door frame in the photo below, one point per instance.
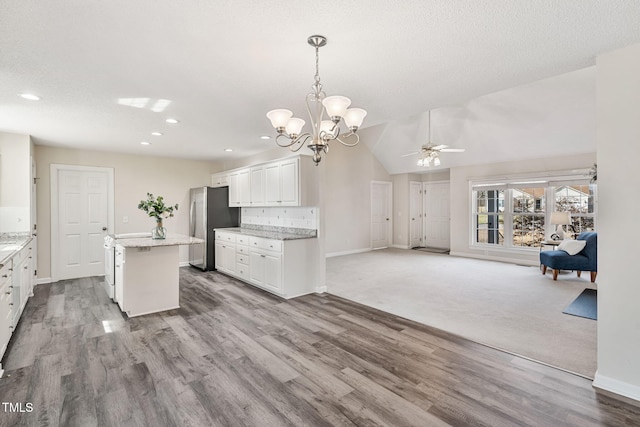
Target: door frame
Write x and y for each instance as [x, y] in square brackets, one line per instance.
[389, 186]
[54, 193]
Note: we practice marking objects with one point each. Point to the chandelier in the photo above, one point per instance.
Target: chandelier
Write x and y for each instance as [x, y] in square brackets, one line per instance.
[427, 156]
[289, 128]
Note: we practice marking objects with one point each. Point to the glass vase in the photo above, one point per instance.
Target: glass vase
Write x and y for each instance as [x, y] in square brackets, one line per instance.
[159, 232]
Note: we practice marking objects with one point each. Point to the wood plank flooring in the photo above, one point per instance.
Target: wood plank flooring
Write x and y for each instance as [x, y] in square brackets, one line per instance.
[233, 355]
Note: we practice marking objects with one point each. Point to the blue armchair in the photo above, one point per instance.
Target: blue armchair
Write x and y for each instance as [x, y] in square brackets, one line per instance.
[585, 260]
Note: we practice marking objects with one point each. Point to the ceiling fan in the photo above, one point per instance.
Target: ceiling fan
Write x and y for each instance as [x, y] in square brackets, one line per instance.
[429, 153]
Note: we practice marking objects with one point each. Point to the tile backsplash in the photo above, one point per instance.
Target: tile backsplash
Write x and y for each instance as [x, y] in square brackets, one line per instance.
[294, 217]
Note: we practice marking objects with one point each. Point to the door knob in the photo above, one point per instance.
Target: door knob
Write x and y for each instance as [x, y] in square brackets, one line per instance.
[104, 228]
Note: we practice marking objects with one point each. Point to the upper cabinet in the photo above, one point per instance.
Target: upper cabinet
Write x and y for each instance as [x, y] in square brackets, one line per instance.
[287, 182]
[220, 179]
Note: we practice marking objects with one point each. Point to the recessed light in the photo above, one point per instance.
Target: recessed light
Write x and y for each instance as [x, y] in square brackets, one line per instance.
[145, 143]
[156, 133]
[228, 150]
[30, 96]
[265, 137]
[172, 121]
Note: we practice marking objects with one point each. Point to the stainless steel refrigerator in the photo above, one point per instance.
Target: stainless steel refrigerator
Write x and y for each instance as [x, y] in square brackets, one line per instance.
[209, 209]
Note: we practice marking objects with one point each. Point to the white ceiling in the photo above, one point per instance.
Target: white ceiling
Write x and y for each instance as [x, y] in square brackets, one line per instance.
[223, 64]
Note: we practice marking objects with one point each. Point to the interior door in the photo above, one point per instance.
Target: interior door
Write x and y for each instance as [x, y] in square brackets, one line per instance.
[436, 215]
[415, 214]
[380, 214]
[83, 207]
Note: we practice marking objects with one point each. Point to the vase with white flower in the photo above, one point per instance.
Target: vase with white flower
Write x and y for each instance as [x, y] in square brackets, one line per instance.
[156, 208]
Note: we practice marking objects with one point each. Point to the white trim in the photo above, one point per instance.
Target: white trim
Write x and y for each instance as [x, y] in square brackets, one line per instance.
[400, 246]
[616, 386]
[43, 280]
[389, 186]
[321, 289]
[351, 252]
[184, 264]
[55, 168]
[495, 258]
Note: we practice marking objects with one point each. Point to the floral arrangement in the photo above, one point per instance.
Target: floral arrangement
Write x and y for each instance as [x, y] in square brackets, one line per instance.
[155, 207]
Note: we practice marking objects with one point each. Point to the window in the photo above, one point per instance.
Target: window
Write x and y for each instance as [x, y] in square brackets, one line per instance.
[515, 215]
[490, 217]
[580, 201]
[528, 213]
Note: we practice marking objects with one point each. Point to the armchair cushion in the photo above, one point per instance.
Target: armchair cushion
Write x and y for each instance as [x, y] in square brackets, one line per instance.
[572, 247]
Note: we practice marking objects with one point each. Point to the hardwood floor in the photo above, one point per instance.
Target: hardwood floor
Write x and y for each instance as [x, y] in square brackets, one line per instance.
[234, 355]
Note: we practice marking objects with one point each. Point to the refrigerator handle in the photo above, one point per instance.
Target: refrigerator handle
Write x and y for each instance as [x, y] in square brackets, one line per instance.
[192, 212]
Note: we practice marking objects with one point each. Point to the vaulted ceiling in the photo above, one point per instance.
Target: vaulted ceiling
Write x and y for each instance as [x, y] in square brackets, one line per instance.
[110, 73]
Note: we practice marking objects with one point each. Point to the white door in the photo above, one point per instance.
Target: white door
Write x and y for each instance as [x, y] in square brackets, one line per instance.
[82, 213]
[380, 214]
[415, 214]
[436, 215]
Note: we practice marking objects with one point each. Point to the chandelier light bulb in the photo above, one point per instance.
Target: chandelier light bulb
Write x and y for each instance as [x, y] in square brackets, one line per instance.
[294, 127]
[279, 118]
[354, 117]
[336, 106]
[328, 127]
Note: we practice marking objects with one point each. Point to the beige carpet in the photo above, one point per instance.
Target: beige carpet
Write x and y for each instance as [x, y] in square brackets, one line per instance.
[507, 306]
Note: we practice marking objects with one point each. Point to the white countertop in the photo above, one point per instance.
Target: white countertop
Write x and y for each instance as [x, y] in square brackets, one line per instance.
[274, 235]
[171, 240]
[9, 248]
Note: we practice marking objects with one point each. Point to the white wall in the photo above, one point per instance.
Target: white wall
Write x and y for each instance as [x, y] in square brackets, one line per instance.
[618, 138]
[461, 200]
[346, 192]
[15, 188]
[134, 177]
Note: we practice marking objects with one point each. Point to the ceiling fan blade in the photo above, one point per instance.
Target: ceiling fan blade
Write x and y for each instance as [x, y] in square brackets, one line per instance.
[453, 150]
[439, 147]
[410, 154]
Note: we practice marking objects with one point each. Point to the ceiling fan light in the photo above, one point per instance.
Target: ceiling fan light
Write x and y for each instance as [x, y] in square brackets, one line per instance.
[436, 161]
[336, 106]
[354, 117]
[279, 118]
[294, 126]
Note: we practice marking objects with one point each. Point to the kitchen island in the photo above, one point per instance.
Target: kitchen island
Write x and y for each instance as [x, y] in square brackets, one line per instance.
[147, 273]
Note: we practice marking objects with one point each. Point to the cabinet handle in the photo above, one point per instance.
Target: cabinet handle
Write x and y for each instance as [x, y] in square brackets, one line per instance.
[11, 287]
[271, 246]
[10, 303]
[26, 266]
[11, 327]
[263, 256]
[4, 275]
[8, 293]
[30, 257]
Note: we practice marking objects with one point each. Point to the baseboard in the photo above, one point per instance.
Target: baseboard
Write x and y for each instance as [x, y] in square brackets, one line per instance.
[495, 258]
[616, 386]
[321, 289]
[43, 280]
[355, 251]
[400, 246]
[184, 264]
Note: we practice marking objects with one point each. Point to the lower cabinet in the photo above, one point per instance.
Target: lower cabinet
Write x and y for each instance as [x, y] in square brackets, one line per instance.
[283, 267]
[6, 302]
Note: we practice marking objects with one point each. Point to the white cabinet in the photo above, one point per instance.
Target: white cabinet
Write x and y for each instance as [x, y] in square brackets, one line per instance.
[6, 299]
[282, 267]
[257, 186]
[285, 182]
[265, 257]
[147, 278]
[225, 256]
[240, 188]
[220, 179]
[282, 183]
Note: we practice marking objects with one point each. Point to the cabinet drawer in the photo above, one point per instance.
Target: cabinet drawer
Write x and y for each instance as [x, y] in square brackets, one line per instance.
[266, 244]
[225, 237]
[242, 239]
[242, 250]
[242, 259]
[242, 271]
